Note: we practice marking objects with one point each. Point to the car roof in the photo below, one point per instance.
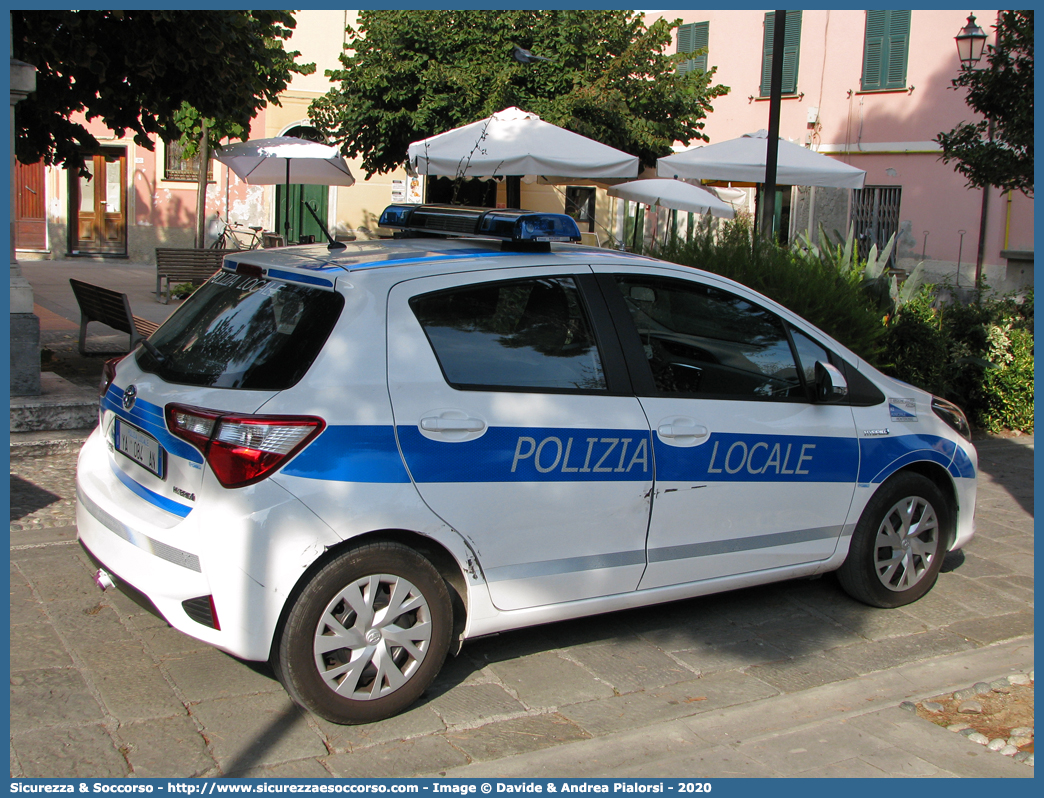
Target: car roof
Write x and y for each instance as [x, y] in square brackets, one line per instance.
[317, 265]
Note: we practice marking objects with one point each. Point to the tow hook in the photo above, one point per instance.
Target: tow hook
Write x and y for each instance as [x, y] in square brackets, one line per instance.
[103, 580]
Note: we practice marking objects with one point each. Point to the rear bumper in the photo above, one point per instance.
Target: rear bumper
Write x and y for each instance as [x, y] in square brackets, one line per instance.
[245, 549]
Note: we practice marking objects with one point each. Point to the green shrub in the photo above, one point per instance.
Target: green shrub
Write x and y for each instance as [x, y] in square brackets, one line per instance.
[182, 290]
[810, 286]
[916, 349]
[979, 355]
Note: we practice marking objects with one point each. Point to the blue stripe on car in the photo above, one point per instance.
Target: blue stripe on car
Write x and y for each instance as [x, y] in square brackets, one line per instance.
[149, 417]
[882, 457]
[351, 454]
[370, 454]
[151, 497]
[297, 277]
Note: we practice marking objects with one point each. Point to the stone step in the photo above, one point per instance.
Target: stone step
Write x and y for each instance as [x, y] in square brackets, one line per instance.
[61, 405]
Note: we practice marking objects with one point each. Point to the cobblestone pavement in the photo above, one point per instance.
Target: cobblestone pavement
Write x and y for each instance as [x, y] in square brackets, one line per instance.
[722, 685]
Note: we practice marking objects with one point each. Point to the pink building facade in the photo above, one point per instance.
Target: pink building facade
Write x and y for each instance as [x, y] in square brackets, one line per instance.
[878, 110]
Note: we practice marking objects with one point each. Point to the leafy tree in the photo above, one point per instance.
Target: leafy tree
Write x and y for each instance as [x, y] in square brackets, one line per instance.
[1003, 94]
[408, 75]
[154, 73]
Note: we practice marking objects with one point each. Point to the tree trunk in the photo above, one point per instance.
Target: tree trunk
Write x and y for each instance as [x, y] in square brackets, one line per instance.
[201, 190]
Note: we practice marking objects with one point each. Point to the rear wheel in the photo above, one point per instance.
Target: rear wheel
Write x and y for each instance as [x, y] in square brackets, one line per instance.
[367, 635]
[899, 543]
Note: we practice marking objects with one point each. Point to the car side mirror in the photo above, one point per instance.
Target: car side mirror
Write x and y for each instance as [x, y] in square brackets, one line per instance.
[641, 293]
[831, 385]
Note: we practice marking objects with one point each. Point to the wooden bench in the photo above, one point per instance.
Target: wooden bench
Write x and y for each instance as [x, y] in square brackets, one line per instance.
[185, 266]
[108, 307]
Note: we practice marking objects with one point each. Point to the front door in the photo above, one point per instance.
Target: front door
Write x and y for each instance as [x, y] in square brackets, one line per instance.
[519, 433]
[31, 209]
[98, 212]
[301, 221]
[751, 475]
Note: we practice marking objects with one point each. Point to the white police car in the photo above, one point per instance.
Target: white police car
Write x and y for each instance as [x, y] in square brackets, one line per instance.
[350, 461]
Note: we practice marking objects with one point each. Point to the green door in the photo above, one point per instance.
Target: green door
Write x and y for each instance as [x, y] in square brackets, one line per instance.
[301, 221]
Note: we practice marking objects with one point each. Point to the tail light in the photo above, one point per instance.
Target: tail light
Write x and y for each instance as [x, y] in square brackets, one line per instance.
[108, 374]
[242, 449]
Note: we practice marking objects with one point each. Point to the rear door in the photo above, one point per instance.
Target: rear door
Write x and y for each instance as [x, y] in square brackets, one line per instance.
[750, 474]
[519, 429]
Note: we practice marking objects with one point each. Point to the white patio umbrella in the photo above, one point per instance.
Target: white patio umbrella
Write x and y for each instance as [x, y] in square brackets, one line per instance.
[515, 142]
[673, 194]
[288, 160]
[743, 160]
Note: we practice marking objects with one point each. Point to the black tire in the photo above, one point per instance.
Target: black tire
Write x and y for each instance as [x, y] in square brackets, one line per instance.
[907, 507]
[362, 579]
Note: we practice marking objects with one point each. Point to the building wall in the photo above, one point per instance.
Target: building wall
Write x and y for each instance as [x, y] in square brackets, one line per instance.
[888, 134]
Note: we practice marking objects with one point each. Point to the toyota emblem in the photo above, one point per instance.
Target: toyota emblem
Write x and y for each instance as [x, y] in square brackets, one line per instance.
[129, 396]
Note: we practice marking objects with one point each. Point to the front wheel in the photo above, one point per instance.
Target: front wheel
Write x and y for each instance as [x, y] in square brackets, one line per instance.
[899, 543]
[367, 635]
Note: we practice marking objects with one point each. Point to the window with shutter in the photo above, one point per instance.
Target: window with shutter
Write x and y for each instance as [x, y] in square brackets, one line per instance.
[693, 38]
[885, 50]
[791, 50]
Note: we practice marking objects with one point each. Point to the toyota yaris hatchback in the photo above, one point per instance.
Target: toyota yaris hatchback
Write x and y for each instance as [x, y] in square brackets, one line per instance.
[349, 461]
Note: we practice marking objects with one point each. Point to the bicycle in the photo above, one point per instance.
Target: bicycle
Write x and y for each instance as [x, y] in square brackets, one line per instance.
[237, 236]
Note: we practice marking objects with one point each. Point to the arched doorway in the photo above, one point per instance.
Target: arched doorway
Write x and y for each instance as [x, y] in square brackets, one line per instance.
[301, 221]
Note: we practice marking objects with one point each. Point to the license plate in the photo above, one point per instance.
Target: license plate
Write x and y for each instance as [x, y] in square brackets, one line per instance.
[140, 447]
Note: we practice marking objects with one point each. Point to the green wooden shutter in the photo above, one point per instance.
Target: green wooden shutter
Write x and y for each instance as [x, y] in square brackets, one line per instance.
[885, 50]
[898, 49]
[691, 38]
[791, 51]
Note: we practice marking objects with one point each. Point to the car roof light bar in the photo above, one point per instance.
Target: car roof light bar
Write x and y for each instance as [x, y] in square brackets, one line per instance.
[512, 226]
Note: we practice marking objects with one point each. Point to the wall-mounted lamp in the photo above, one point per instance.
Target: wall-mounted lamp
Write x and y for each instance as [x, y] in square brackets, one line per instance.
[971, 41]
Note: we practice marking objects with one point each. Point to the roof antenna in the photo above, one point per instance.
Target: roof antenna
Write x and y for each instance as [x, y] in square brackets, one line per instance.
[333, 244]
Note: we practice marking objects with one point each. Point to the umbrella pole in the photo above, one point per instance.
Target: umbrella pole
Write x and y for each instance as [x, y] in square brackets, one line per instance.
[286, 206]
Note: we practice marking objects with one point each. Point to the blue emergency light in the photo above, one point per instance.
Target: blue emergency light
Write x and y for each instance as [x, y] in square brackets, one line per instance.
[514, 226]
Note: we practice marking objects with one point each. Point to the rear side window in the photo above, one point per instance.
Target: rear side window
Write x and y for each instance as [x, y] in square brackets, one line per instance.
[523, 334]
[242, 332]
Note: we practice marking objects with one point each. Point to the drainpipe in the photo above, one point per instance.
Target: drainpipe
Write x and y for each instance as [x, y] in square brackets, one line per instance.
[1007, 222]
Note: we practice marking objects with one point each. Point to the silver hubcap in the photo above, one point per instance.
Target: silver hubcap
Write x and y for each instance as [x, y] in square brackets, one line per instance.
[906, 544]
[372, 637]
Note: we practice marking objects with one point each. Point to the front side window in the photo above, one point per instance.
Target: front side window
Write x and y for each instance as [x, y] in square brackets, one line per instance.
[707, 343]
[791, 50]
[521, 334]
[243, 332]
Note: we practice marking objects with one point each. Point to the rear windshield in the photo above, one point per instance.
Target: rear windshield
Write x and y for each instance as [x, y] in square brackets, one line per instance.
[238, 331]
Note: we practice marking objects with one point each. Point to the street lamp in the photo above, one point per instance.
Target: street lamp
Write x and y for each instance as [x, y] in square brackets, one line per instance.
[971, 41]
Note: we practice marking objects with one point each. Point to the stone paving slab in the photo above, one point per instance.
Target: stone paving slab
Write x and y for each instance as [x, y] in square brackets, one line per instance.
[45, 698]
[419, 720]
[625, 712]
[547, 679]
[883, 654]
[401, 759]
[167, 747]
[78, 752]
[250, 731]
[509, 737]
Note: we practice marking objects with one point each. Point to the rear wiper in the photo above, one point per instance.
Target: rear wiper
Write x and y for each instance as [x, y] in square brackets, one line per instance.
[333, 244]
[152, 350]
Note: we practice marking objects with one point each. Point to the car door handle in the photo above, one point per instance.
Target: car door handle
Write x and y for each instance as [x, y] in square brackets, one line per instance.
[682, 431]
[435, 424]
